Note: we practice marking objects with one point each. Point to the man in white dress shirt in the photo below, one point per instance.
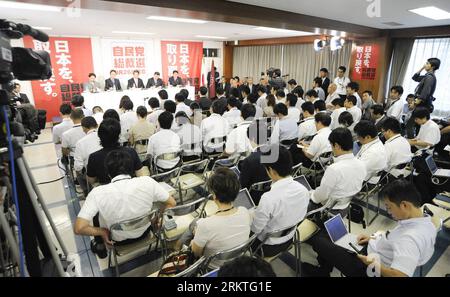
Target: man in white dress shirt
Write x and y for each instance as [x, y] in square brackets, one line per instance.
[429, 134]
[311, 96]
[284, 128]
[127, 119]
[293, 111]
[181, 106]
[238, 142]
[70, 138]
[394, 106]
[332, 94]
[58, 130]
[338, 108]
[233, 115]
[350, 104]
[352, 90]
[372, 152]
[253, 99]
[283, 206]
[156, 110]
[164, 141]
[307, 127]
[341, 82]
[317, 86]
[84, 148]
[214, 127]
[398, 150]
[262, 93]
[396, 253]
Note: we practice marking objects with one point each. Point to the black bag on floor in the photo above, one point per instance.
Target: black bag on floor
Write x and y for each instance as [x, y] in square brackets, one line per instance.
[357, 214]
[42, 118]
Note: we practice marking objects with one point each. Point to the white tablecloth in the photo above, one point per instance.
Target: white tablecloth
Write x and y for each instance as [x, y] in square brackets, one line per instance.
[111, 99]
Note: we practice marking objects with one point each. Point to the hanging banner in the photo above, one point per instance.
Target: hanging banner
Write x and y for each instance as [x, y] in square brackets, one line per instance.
[71, 60]
[366, 61]
[185, 57]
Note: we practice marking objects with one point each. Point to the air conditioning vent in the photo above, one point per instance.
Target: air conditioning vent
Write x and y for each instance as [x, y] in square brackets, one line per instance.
[394, 24]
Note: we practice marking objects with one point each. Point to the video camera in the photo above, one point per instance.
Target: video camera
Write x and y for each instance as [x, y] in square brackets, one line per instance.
[18, 63]
[274, 75]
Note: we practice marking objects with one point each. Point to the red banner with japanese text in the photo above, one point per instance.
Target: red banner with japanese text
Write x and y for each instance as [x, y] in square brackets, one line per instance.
[185, 57]
[71, 60]
[366, 61]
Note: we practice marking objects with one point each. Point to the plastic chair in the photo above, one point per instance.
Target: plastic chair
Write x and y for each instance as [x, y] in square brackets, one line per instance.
[368, 190]
[131, 225]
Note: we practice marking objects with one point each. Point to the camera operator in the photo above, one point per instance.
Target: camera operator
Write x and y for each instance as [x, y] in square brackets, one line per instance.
[275, 78]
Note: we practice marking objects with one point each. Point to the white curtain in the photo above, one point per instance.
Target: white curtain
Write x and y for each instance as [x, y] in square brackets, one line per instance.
[250, 61]
[424, 49]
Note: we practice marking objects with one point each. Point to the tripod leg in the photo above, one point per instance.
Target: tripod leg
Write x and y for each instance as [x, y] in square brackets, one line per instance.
[9, 238]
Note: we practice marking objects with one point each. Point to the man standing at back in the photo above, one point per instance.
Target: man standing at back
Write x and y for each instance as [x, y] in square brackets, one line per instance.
[341, 82]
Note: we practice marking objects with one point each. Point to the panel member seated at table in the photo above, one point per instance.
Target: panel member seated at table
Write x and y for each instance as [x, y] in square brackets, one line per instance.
[92, 85]
[112, 83]
[175, 80]
[155, 81]
[135, 82]
[398, 252]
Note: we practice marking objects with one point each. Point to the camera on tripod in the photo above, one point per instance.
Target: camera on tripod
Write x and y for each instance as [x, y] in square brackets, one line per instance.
[275, 79]
[23, 64]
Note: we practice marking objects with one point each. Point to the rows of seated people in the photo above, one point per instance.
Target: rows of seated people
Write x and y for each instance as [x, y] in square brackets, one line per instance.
[117, 152]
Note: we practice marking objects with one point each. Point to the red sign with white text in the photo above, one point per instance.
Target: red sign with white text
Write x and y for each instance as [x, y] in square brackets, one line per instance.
[185, 57]
[366, 61]
[71, 60]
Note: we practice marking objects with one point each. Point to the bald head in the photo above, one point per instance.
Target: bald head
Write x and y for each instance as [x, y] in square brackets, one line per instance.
[332, 88]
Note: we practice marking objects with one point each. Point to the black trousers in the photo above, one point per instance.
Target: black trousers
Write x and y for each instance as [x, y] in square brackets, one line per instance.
[298, 156]
[330, 255]
[271, 250]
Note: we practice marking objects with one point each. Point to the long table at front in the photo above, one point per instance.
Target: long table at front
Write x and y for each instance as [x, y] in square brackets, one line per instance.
[111, 99]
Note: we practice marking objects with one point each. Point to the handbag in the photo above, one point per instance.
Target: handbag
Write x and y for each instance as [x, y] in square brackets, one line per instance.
[176, 262]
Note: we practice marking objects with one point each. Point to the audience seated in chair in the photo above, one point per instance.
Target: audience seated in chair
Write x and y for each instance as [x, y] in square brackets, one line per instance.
[283, 206]
[338, 109]
[190, 137]
[237, 140]
[123, 199]
[307, 127]
[141, 131]
[214, 126]
[396, 253]
[127, 119]
[285, 128]
[70, 138]
[429, 133]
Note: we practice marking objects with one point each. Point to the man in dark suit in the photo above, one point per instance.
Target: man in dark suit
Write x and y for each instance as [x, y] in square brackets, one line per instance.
[379, 115]
[135, 81]
[204, 101]
[175, 80]
[325, 80]
[251, 85]
[112, 83]
[216, 77]
[155, 81]
[18, 96]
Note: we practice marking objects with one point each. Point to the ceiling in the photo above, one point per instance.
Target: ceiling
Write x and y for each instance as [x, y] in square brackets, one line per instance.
[95, 22]
[354, 11]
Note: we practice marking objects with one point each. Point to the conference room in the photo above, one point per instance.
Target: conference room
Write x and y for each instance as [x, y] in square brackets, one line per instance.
[215, 139]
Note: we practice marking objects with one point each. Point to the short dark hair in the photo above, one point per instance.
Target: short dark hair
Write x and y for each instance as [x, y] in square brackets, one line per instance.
[323, 70]
[153, 102]
[343, 68]
[203, 91]
[281, 93]
[89, 122]
[397, 89]
[141, 111]
[435, 63]
[421, 112]
[175, 71]
[292, 99]
[368, 92]
[111, 114]
[280, 108]
[232, 101]
[343, 137]
[392, 124]
[320, 105]
[246, 90]
[353, 85]
[65, 109]
[248, 111]
[401, 190]
[318, 81]
[312, 93]
[252, 98]
[156, 73]
[170, 106]
[261, 89]
[345, 118]
[185, 93]
[224, 184]
[165, 120]
[126, 103]
[118, 162]
[77, 100]
[366, 128]
[308, 106]
[234, 92]
[112, 70]
[109, 132]
[179, 97]
[410, 96]
[292, 82]
[298, 90]
[220, 91]
[77, 114]
[92, 74]
[97, 108]
[236, 78]
[338, 102]
[377, 109]
[136, 71]
[323, 118]
[194, 106]
[217, 107]
[283, 165]
[352, 99]
[163, 94]
[246, 266]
